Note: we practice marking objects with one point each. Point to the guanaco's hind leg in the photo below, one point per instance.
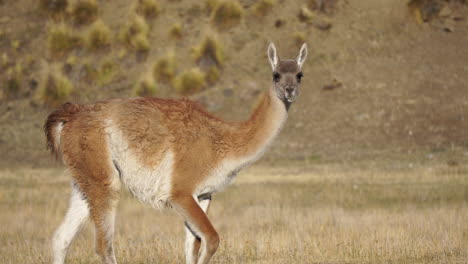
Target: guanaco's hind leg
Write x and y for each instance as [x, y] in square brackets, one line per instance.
[77, 214]
[192, 240]
[199, 224]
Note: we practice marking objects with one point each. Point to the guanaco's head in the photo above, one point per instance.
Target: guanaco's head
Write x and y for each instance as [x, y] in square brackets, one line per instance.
[287, 74]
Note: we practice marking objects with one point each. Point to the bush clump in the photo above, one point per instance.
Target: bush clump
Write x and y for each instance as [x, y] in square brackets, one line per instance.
[53, 6]
[62, 39]
[55, 88]
[190, 81]
[263, 7]
[227, 14]
[98, 36]
[209, 52]
[135, 34]
[147, 8]
[165, 68]
[84, 12]
[175, 32]
[146, 86]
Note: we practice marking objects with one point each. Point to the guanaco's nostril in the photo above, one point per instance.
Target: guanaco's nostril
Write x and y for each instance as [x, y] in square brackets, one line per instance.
[289, 89]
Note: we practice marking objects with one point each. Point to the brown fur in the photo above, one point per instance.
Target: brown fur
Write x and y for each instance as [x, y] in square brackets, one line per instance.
[153, 127]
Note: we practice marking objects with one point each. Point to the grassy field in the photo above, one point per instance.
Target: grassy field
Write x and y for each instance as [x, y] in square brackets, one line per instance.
[309, 213]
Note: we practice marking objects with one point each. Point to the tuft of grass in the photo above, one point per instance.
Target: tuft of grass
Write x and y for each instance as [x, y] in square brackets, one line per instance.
[263, 7]
[210, 5]
[212, 75]
[305, 14]
[165, 68]
[209, 52]
[98, 36]
[55, 88]
[175, 32]
[135, 34]
[12, 86]
[53, 6]
[108, 70]
[299, 38]
[84, 12]
[62, 39]
[146, 86]
[190, 81]
[227, 14]
[148, 8]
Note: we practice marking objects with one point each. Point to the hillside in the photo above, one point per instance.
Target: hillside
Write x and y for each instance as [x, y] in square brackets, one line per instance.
[380, 81]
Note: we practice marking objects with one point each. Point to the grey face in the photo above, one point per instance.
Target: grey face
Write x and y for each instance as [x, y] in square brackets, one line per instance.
[287, 74]
[287, 79]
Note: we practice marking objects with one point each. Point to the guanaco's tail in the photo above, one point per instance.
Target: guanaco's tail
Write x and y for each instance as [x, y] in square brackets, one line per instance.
[54, 124]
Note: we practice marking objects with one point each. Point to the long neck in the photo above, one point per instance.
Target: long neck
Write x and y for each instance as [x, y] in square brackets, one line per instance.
[254, 135]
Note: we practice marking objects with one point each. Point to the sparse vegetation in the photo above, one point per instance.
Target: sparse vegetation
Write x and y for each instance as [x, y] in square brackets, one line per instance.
[305, 14]
[227, 14]
[98, 36]
[146, 86]
[263, 7]
[54, 6]
[212, 75]
[54, 88]
[175, 32]
[84, 12]
[211, 5]
[164, 69]
[12, 86]
[190, 81]
[299, 38]
[107, 71]
[135, 34]
[209, 52]
[148, 8]
[62, 39]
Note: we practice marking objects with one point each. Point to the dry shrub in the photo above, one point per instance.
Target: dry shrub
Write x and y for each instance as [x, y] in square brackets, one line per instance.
[148, 8]
[305, 14]
[263, 7]
[299, 38]
[98, 36]
[212, 75]
[12, 85]
[175, 32]
[53, 6]
[62, 39]
[210, 5]
[55, 88]
[190, 81]
[135, 34]
[84, 12]
[227, 14]
[165, 68]
[209, 52]
[146, 86]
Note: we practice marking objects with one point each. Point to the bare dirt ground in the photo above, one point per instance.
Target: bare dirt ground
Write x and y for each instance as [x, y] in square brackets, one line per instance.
[330, 213]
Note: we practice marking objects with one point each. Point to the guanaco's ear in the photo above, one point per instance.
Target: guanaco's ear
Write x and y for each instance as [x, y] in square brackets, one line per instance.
[302, 55]
[272, 56]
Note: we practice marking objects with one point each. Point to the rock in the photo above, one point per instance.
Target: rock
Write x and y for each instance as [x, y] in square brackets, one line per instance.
[445, 11]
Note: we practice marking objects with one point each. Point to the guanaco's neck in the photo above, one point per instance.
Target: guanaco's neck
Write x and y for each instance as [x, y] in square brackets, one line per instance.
[254, 135]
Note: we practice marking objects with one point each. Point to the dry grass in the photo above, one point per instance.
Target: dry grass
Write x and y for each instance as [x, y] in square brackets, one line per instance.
[263, 7]
[98, 36]
[83, 12]
[209, 52]
[146, 86]
[190, 81]
[164, 69]
[12, 85]
[62, 39]
[135, 34]
[148, 8]
[54, 88]
[227, 14]
[175, 32]
[316, 214]
[54, 6]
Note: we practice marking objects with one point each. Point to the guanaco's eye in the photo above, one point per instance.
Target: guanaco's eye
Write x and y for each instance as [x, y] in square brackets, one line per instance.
[276, 76]
[299, 76]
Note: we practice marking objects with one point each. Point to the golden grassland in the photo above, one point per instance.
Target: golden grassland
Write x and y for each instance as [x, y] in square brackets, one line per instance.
[300, 213]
